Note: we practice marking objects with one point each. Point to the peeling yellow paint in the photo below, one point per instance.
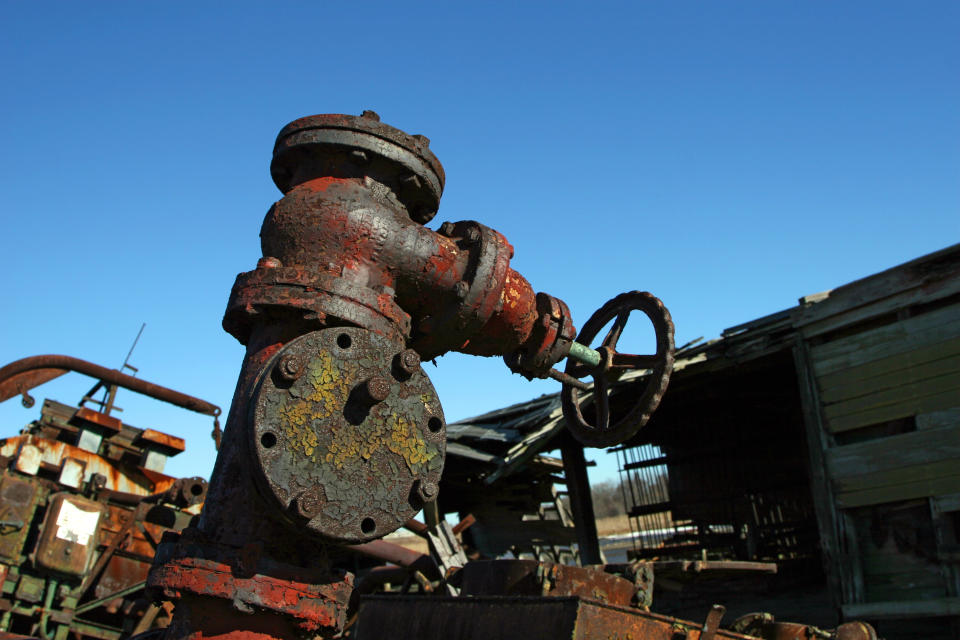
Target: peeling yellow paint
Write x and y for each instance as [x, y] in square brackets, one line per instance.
[329, 388]
[326, 394]
[402, 438]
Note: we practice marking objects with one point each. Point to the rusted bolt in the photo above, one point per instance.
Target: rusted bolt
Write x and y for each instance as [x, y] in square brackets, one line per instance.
[370, 115]
[408, 361]
[461, 289]
[309, 503]
[290, 367]
[427, 490]
[268, 262]
[375, 389]
[446, 229]
[472, 235]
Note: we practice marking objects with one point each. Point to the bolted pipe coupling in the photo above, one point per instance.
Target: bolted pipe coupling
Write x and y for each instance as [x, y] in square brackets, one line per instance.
[344, 146]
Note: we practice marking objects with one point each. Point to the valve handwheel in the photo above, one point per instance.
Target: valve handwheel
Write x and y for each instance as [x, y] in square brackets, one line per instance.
[601, 431]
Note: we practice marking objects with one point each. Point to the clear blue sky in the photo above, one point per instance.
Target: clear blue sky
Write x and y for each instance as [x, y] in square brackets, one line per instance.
[727, 156]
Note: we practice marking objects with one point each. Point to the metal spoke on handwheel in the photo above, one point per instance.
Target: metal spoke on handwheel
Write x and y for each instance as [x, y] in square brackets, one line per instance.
[601, 407]
[631, 361]
[608, 430]
[613, 336]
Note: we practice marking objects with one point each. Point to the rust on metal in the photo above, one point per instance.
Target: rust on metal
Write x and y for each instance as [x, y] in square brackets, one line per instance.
[11, 382]
[532, 578]
[53, 452]
[81, 515]
[345, 455]
[164, 440]
[99, 419]
[336, 436]
[201, 576]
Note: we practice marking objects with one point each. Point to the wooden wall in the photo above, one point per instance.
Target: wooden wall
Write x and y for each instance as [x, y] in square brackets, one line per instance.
[882, 360]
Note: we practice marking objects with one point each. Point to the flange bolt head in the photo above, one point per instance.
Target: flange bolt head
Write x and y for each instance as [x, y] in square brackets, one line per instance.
[290, 367]
[409, 361]
[427, 490]
[377, 389]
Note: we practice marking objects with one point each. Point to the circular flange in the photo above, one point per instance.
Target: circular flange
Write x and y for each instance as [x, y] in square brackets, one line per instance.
[347, 439]
[415, 173]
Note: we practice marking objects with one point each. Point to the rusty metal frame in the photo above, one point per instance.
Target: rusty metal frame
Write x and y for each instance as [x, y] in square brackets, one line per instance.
[20, 376]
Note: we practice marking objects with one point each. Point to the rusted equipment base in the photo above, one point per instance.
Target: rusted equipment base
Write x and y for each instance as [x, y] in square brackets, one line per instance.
[244, 594]
[530, 618]
[532, 578]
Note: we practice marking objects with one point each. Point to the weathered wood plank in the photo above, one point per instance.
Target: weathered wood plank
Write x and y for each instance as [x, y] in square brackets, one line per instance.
[923, 487]
[917, 473]
[947, 503]
[928, 273]
[842, 574]
[937, 419]
[899, 300]
[889, 371]
[911, 406]
[893, 452]
[895, 395]
[891, 610]
[899, 337]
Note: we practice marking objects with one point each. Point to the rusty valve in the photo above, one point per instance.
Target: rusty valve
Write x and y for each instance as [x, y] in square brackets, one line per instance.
[336, 434]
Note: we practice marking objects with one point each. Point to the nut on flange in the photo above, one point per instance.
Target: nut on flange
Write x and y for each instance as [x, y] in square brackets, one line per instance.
[347, 444]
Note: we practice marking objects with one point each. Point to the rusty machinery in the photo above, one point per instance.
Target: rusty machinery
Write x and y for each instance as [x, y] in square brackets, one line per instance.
[83, 504]
[336, 435]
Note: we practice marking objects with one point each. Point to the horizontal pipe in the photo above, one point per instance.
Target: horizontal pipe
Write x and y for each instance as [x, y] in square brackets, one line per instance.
[395, 554]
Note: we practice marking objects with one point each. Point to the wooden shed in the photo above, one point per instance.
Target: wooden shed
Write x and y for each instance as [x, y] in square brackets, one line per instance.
[879, 368]
[829, 432]
[824, 437]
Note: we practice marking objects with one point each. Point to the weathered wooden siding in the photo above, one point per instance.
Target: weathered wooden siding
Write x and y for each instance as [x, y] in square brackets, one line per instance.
[898, 370]
[911, 465]
[884, 357]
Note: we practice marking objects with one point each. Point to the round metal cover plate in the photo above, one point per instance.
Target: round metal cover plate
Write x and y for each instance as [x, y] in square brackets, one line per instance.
[347, 439]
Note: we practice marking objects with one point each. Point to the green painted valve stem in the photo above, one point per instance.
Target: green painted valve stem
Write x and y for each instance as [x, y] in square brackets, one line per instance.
[584, 354]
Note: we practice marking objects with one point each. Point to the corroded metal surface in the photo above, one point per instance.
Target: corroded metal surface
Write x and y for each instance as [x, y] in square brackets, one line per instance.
[69, 534]
[335, 434]
[337, 144]
[532, 578]
[346, 441]
[313, 601]
[54, 452]
[15, 377]
[81, 513]
[17, 503]
[763, 626]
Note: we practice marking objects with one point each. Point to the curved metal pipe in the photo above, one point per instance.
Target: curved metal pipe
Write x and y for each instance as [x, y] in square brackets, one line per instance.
[13, 373]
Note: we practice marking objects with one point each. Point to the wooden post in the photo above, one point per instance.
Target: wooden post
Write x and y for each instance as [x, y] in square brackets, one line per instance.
[836, 564]
[581, 502]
